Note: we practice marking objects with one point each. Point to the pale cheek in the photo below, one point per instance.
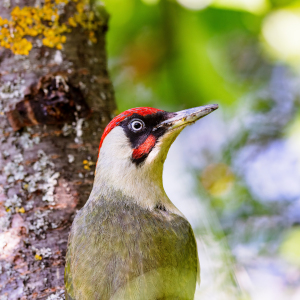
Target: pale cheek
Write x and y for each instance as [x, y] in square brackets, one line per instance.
[116, 146]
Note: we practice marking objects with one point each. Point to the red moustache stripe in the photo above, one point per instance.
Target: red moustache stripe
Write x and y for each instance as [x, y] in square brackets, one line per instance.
[144, 148]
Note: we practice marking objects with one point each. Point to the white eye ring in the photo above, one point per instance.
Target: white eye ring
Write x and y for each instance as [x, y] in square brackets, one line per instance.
[136, 125]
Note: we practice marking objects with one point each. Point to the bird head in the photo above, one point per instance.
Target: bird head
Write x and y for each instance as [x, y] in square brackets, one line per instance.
[134, 146]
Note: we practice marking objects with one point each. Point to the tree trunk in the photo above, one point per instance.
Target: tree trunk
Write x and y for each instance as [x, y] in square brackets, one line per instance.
[48, 151]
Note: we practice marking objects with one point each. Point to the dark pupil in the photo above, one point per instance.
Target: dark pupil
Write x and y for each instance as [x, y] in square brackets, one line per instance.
[137, 125]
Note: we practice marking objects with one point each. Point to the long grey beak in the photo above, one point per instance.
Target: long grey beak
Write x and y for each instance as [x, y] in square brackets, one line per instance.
[187, 116]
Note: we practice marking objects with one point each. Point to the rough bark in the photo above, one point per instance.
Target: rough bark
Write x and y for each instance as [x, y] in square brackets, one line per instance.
[47, 170]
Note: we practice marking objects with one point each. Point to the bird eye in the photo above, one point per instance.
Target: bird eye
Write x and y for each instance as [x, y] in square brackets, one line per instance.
[137, 125]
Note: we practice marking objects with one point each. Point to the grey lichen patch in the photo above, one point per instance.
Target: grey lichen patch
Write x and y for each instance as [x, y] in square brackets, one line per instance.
[45, 171]
[11, 92]
[43, 178]
[71, 158]
[12, 204]
[39, 223]
[6, 3]
[43, 162]
[43, 252]
[8, 272]
[49, 187]
[67, 129]
[7, 268]
[29, 205]
[76, 128]
[5, 221]
[5, 154]
[58, 58]
[27, 141]
[78, 131]
[14, 170]
[57, 296]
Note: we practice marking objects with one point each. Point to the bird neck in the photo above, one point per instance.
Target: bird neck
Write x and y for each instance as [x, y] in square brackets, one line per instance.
[116, 174]
[141, 184]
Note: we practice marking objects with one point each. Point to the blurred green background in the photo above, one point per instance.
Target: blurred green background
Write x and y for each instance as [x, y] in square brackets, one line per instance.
[242, 163]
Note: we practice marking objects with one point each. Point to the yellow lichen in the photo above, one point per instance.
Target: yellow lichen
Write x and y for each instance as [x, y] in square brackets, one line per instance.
[44, 22]
[22, 210]
[87, 164]
[37, 257]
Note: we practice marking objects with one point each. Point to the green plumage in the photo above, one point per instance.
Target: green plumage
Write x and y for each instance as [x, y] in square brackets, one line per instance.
[120, 250]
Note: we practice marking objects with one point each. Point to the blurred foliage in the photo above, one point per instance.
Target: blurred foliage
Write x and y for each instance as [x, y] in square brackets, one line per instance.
[243, 55]
[290, 248]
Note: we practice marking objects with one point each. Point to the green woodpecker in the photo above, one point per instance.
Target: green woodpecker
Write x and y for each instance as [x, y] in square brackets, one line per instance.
[129, 241]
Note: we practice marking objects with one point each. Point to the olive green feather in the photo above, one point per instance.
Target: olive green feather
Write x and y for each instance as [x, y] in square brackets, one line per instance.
[120, 250]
